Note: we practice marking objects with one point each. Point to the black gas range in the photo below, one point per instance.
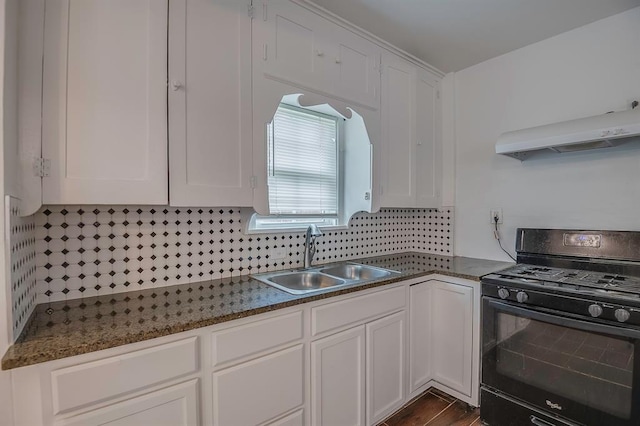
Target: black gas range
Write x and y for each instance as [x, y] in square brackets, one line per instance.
[561, 331]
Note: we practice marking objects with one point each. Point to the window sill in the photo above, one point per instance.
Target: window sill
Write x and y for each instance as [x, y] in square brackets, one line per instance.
[293, 230]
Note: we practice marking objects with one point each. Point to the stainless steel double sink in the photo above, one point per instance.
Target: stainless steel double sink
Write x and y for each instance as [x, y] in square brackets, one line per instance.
[323, 277]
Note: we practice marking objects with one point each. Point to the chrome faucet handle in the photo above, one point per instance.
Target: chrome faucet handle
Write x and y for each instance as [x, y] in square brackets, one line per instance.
[310, 244]
[314, 231]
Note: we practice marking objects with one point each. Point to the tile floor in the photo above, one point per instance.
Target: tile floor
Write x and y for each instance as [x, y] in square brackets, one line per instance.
[435, 408]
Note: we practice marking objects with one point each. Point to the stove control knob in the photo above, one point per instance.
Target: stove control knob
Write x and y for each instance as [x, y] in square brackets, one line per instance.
[622, 315]
[503, 293]
[595, 310]
[522, 297]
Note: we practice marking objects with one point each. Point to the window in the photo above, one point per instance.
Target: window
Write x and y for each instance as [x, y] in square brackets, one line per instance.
[303, 168]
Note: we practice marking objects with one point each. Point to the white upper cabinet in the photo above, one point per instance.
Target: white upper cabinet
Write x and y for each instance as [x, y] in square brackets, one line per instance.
[297, 46]
[210, 141]
[398, 187]
[428, 156]
[290, 42]
[104, 111]
[411, 161]
[357, 68]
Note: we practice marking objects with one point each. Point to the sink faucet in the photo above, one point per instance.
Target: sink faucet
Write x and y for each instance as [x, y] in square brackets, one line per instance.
[310, 244]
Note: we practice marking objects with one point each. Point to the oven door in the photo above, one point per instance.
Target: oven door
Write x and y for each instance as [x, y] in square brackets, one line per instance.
[584, 371]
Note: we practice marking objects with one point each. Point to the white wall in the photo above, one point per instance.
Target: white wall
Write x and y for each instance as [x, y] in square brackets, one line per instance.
[587, 71]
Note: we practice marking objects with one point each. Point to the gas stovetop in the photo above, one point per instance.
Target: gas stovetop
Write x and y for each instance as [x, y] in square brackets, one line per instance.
[603, 264]
[574, 279]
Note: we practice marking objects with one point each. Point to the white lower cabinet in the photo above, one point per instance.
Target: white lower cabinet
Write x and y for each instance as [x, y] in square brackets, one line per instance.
[419, 336]
[357, 375]
[173, 406]
[341, 361]
[257, 391]
[443, 317]
[338, 379]
[452, 328]
[385, 367]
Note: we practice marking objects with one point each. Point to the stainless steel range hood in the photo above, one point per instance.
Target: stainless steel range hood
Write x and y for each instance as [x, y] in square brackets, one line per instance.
[602, 131]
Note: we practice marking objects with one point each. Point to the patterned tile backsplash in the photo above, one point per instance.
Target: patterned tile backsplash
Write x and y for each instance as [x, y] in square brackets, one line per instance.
[84, 251]
[22, 242]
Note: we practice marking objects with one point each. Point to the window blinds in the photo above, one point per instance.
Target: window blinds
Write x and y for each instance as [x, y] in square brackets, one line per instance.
[302, 163]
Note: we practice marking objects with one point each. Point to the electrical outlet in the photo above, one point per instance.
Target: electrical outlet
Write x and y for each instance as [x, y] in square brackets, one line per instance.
[493, 213]
[278, 253]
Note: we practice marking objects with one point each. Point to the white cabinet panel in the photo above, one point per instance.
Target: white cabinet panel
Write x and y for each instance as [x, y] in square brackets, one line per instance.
[398, 132]
[385, 367]
[259, 390]
[452, 342]
[411, 135]
[105, 102]
[297, 46]
[419, 335]
[428, 147]
[174, 406]
[356, 309]
[210, 103]
[338, 379]
[75, 387]
[250, 339]
[358, 68]
[289, 44]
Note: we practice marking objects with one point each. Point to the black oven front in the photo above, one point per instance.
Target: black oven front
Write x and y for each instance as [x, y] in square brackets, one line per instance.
[566, 368]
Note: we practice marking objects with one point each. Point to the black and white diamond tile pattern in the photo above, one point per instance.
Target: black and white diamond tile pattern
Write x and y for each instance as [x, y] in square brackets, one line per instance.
[434, 231]
[84, 251]
[21, 245]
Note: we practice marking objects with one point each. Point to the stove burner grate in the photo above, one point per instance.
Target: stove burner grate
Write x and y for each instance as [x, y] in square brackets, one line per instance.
[574, 279]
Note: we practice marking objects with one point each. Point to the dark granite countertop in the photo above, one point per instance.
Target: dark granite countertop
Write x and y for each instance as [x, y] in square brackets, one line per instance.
[62, 329]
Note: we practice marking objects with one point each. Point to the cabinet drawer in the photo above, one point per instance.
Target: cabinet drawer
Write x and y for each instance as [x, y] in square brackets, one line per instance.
[355, 310]
[250, 339]
[81, 385]
[176, 406]
[257, 391]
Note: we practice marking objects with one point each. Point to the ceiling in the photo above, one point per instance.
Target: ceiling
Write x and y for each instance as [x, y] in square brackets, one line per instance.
[455, 34]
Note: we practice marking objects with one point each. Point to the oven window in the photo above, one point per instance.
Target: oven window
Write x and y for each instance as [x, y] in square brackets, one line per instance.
[593, 369]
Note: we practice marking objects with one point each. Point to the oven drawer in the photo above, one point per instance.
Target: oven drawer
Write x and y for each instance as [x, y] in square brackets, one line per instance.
[498, 410]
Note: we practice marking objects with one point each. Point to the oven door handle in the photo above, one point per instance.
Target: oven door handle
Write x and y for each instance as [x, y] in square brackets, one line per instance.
[567, 322]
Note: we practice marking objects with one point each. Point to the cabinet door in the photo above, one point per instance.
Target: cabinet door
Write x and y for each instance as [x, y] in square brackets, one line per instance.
[398, 132]
[260, 390]
[173, 406]
[210, 103]
[419, 335]
[338, 379]
[385, 367]
[290, 44]
[428, 141]
[104, 118]
[357, 64]
[452, 327]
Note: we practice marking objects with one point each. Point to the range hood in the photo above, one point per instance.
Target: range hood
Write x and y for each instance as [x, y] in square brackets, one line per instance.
[601, 131]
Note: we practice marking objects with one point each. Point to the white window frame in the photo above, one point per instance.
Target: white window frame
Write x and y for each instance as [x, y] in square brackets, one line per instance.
[276, 223]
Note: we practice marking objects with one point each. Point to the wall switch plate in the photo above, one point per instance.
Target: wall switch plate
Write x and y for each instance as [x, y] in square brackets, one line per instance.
[278, 253]
[493, 213]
